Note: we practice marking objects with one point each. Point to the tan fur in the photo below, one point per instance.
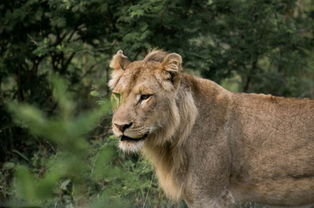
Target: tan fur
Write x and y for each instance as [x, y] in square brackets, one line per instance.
[211, 147]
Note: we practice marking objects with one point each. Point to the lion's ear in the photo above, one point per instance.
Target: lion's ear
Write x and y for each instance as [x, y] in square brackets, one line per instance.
[172, 65]
[172, 62]
[119, 61]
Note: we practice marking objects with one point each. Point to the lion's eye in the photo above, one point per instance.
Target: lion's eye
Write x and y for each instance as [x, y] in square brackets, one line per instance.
[145, 96]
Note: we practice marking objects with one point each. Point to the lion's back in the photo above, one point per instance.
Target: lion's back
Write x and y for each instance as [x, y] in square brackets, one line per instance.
[273, 144]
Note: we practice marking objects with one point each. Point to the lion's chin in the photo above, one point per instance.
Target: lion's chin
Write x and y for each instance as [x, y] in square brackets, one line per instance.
[131, 146]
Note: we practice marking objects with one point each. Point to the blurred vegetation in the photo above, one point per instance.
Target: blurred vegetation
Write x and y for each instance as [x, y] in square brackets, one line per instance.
[78, 173]
[56, 148]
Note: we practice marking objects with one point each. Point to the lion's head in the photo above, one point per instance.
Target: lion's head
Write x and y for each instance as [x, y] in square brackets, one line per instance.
[150, 104]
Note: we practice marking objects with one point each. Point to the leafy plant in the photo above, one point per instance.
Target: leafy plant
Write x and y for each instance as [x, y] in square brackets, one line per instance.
[78, 172]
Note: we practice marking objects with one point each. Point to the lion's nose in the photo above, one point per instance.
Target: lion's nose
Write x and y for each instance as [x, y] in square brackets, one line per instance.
[123, 127]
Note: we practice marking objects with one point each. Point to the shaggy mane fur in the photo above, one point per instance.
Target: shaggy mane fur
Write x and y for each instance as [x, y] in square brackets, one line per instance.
[155, 55]
[165, 150]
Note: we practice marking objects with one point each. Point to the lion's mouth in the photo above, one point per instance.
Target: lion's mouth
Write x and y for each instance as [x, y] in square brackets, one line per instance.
[126, 138]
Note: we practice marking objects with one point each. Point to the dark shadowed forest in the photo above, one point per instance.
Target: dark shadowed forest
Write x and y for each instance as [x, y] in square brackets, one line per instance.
[57, 149]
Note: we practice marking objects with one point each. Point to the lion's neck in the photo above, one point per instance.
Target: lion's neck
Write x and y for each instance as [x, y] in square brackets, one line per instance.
[162, 158]
[169, 159]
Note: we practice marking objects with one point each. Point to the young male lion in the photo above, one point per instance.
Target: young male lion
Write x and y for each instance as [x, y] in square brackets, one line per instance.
[211, 147]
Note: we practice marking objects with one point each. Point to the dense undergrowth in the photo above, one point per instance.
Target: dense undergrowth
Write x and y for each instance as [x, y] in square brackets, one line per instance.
[72, 171]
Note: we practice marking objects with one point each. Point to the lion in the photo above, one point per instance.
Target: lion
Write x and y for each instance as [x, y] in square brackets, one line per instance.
[209, 146]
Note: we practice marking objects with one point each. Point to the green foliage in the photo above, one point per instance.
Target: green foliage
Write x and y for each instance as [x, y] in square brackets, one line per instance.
[70, 173]
[67, 131]
[258, 45]
[78, 172]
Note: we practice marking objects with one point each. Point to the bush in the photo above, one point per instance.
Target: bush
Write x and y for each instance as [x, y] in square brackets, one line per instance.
[78, 172]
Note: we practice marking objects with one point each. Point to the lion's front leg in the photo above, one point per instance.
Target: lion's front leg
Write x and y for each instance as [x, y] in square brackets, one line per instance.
[209, 177]
[224, 200]
[209, 191]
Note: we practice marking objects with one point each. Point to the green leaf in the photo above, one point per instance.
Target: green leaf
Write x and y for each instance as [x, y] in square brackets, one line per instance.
[26, 186]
